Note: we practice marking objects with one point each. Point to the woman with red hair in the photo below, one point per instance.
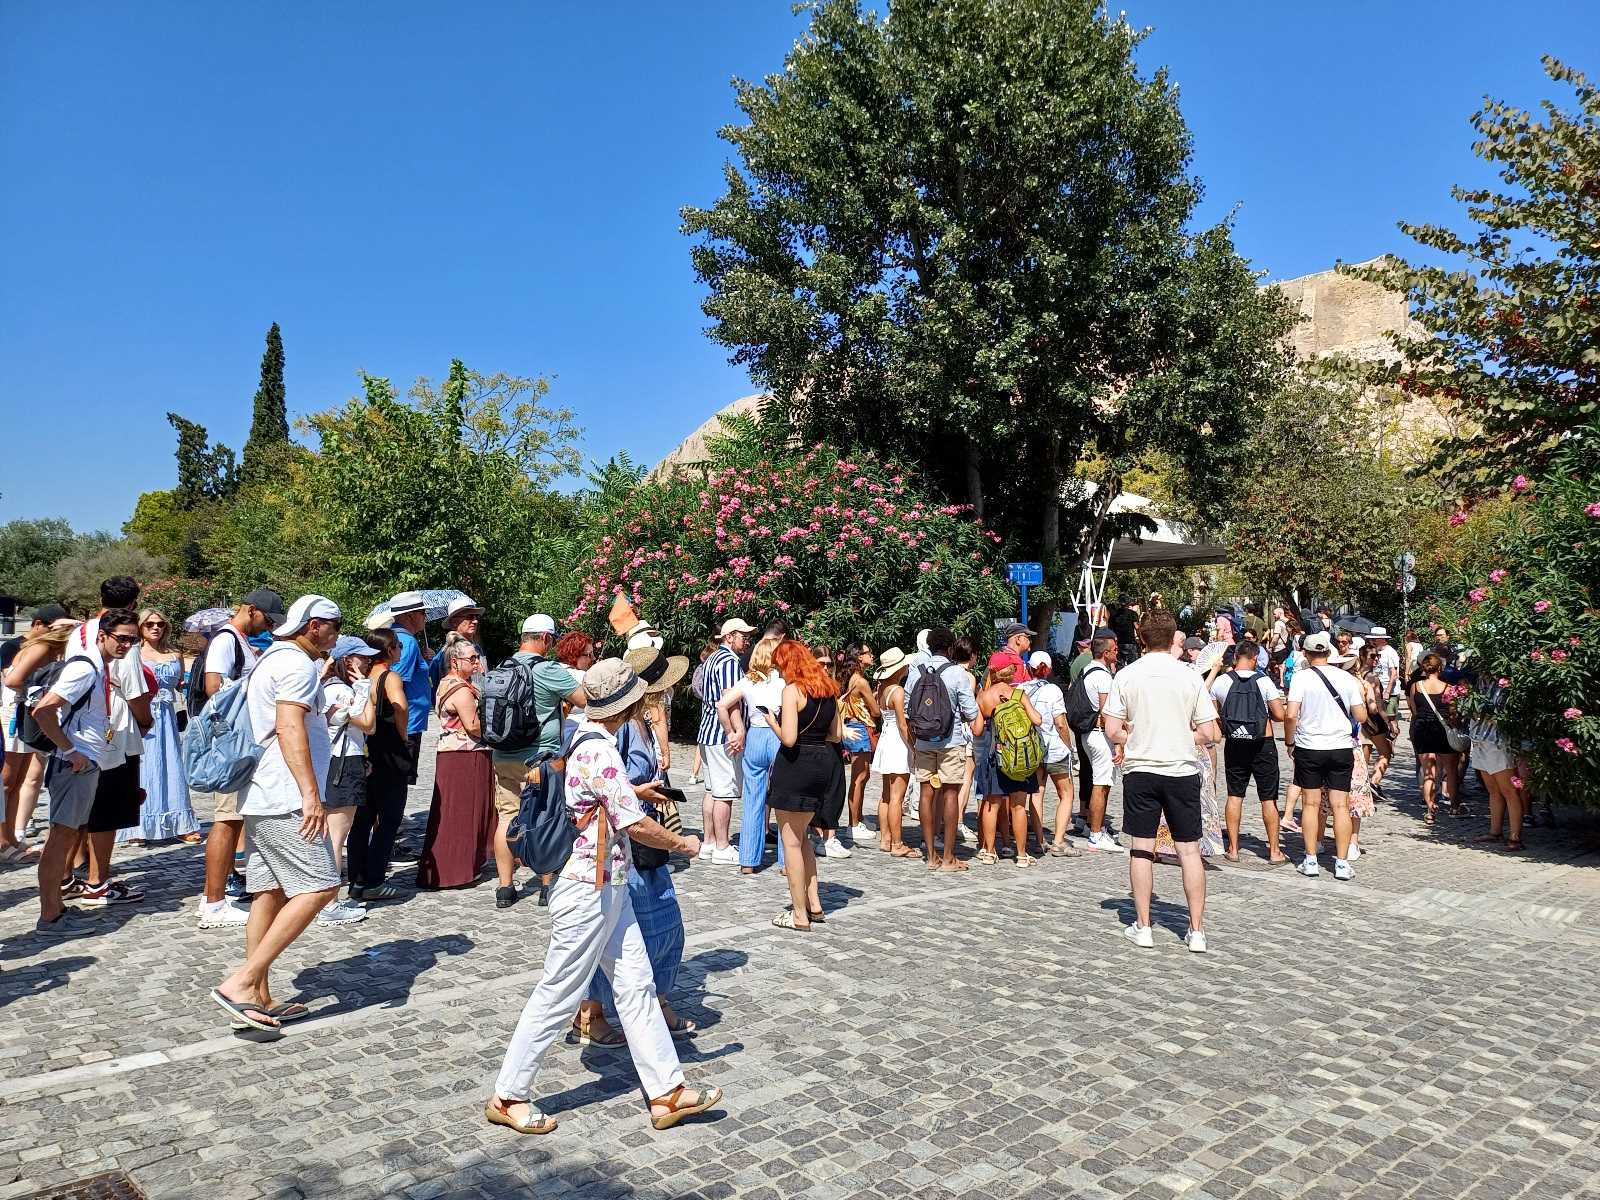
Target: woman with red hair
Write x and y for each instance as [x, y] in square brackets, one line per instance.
[807, 779]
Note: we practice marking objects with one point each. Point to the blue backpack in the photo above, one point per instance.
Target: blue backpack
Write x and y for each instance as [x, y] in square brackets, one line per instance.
[542, 832]
[221, 752]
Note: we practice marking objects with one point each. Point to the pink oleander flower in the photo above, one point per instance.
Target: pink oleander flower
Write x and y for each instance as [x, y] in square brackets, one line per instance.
[1572, 714]
[1496, 575]
[924, 565]
[1478, 595]
[1573, 641]
[1592, 510]
[1503, 682]
[1567, 744]
[1540, 606]
[1458, 518]
[1559, 655]
[1521, 484]
[1516, 782]
[1537, 656]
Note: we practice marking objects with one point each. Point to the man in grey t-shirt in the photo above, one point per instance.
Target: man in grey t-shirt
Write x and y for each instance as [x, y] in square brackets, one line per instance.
[940, 763]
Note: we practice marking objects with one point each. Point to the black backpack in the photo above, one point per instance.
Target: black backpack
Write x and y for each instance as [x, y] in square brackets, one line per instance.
[194, 698]
[542, 832]
[506, 709]
[34, 689]
[1244, 710]
[930, 716]
[1082, 715]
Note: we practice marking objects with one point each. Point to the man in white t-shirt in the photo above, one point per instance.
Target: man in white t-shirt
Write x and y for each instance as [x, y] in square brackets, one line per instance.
[1098, 757]
[1159, 713]
[75, 714]
[1320, 729]
[1248, 748]
[230, 656]
[1387, 670]
[291, 873]
[1045, 695]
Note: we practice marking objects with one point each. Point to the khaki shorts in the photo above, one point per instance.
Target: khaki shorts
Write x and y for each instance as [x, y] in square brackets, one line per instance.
[508, 779]
[949, 764]
[227, 806]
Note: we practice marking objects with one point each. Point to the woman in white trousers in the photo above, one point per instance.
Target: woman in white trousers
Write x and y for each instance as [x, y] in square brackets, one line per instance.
[592, 923]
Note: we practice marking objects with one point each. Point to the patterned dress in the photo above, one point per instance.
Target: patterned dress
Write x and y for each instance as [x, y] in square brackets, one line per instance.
[167, 812]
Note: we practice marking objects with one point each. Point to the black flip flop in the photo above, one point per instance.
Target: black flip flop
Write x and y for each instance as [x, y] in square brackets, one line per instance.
[240, 1013]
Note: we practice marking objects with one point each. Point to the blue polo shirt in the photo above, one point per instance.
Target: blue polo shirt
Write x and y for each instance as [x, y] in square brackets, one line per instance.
[413, 672]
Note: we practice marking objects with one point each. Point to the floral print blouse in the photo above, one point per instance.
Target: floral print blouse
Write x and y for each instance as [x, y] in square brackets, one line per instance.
[596, 776]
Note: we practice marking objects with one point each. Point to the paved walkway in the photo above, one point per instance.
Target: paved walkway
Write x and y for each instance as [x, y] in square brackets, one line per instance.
[1429, 1030]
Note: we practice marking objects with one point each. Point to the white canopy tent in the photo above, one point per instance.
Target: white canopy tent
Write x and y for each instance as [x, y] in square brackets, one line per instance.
[1165, 547]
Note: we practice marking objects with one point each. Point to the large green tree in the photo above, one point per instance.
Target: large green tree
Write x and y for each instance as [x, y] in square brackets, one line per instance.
[958, 235]
[269, 422]
[1513, 310]
[29, 552]
[410, 497]
[206, 470]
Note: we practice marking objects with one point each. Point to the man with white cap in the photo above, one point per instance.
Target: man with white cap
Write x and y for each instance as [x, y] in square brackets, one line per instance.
[410, 618]
[721, 765]
[291, 872]
[460, 618]
[551, 686]
[1046, 696]
[1388, 671]
[1320, 728]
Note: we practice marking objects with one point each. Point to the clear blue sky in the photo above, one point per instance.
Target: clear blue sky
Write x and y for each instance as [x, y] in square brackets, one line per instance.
[403, 183]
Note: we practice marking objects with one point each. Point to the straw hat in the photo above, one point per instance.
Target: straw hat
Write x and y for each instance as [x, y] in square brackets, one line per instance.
[890, 663]
[658, 671]
[612, 687]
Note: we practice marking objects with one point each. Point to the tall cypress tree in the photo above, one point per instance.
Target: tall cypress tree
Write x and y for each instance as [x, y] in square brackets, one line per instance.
[269, 425]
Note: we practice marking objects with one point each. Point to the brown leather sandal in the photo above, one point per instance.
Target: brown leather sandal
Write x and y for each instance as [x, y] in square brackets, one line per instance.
[677, 1108]
[499, 1113]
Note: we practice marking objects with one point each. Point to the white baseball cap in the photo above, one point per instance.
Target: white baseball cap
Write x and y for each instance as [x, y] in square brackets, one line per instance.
[1318, 643]
[307, 608]
[736, 625]
[1038, 659]
[539, 624]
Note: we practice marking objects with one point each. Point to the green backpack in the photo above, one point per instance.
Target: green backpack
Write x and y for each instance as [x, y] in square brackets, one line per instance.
[1016, 738]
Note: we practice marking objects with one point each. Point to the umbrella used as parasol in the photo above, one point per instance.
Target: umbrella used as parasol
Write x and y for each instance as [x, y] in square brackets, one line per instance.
[434, 603]
[207, 620]
[1355, 624]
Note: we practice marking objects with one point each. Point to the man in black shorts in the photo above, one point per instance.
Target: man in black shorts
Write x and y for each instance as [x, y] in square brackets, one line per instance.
[1159, 712]
[1249, 751]
[1320, 728]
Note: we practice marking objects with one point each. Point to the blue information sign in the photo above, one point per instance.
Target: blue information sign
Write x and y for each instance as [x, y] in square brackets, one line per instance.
[1025, 574]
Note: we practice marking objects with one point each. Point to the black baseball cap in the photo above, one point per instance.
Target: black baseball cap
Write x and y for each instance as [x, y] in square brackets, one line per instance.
[269, 602]
[46, 613]
[1016, 627]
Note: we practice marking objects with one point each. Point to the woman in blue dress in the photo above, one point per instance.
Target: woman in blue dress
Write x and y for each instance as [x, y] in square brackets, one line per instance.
[167, 812]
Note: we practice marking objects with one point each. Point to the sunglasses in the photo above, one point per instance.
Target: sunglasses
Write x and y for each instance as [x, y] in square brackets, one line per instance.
[155, 624]
[126, 640]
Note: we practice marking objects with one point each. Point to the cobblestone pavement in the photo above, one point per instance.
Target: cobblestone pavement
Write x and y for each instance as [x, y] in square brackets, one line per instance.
[1429, 1030]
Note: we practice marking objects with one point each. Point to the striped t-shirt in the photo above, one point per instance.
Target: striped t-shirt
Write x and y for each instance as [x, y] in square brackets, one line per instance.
[722, 672]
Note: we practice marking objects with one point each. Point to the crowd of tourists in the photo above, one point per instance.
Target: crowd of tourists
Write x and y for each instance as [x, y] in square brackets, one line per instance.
[327, 733]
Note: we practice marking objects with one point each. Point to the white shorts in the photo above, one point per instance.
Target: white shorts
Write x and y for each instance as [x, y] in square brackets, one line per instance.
[1101, 767]
[724, 774]
[1490, 757]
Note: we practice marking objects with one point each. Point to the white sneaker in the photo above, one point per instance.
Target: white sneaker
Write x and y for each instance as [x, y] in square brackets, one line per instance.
[343, 912]
[1195, 939]
[834, 848]
[1355, 853]
[1342, 870]
[860, 833]
[1141, 936]
[706, 850]
[222, 914]
[965, 836]
[1104, 841]
[1308, 867]
[728, 856]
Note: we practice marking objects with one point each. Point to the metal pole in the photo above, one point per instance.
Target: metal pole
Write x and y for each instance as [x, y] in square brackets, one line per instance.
[1024, 588]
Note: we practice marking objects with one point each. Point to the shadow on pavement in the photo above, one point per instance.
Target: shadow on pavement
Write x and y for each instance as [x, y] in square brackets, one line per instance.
[381, 974]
